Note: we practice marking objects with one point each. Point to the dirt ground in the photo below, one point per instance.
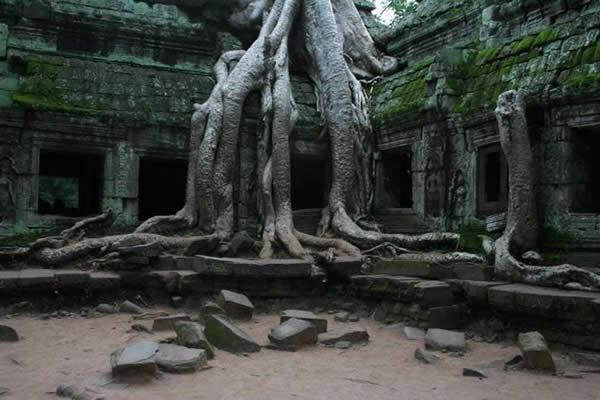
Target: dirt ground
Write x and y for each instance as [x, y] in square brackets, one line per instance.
[75, 350]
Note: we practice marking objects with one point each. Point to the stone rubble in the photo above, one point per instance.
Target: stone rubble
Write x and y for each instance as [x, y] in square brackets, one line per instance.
[236, 305]
[191, 334]
[319, 322]
[441, 339]
[294, 332]
[535, 352]
[223, 334]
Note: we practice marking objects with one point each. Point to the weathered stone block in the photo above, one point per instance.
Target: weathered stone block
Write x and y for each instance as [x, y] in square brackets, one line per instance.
[535, 351]
[293, 332]
[191, 334]
[168, 323]
[445, 317]
[72, 279]
[274, 268]
[435, 293]
[353, 335]
[236, 305]
[3, 39]
[319, 322]
[137, 359]
[441, 339]
[42, 280]
[178, 359]
[226, 336]
[104, 281]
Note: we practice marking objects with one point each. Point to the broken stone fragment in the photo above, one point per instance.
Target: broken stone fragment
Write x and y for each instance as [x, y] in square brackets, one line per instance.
[137, 359]
[168, 323]
[294, 332]
[210, 308]
[130, 308]
[426, 356]
[474, 372]
[179, 359]
[535, 352]
[342, 316]
[73, 392]
[412, 333]
[8, 334]
[223, 334]
[320, 323]
[353, 335]
[106, 309]
[191, 334]
[441, 339]
[236, 305]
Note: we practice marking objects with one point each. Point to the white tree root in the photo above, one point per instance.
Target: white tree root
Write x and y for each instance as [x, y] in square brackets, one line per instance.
[521, 229]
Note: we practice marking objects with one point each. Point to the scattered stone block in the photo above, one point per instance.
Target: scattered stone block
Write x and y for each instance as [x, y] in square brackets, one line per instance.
[191, 334]
[236, 305]
[342, 316]
[106, 309]
[535, 351]
[294, 332]
[8, 334]
[426, 356]
[130, 308]
[353, 335]
[412, 333]
[474, 372]
[137, 359]
[319, 322]
[226, 336]
[343, 345]
[441, 339]
[178, 359]
[210, 308]
[168, 323]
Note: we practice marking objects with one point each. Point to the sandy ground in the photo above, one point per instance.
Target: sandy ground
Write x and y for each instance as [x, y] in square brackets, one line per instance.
[73, 350]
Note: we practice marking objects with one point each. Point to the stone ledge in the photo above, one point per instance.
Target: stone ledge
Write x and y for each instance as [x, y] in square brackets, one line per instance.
[288, 268]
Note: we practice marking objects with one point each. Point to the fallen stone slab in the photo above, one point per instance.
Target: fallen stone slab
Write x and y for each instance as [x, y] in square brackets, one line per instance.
[137, 359]
[130, 308]
[179, 359]
[441, 339]
[168, 323]
[191, 334]
[426, 356]
[236, 305]
[238, 267]
[353, 335]
[8, 334]
[342, 316]
[106, 309]
[535, 352]
[210, 308]
[319, 322]
[294, 332]
[588, 359]
[223, 334]
[412, 333]
[343, 345]
[474, 372]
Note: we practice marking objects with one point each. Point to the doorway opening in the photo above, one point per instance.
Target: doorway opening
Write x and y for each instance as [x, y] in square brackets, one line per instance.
[162, 185]
[396, 180]
[308, 182]
[492, 181]
[70, 184]
[585, 171]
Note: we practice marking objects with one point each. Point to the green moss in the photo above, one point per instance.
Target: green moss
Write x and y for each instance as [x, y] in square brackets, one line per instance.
[46, 103]
[25, 239]
[524, 44]
[588, 55]
[546, 36]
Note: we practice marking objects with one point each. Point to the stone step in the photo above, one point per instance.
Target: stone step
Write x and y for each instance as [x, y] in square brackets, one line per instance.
[185, 282]
[418, 269]
[430, 293]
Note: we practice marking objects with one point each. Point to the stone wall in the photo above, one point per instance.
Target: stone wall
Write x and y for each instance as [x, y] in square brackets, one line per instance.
[460, 56]
[117, 79]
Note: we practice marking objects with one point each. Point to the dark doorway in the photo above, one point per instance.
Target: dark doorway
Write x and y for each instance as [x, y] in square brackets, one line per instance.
[492, 180]
[396, 169]
[308, 183]
[70, 184]
[585, 171]
[161, 186]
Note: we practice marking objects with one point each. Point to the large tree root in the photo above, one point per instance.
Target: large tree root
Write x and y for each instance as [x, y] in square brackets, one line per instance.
[521, 229]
